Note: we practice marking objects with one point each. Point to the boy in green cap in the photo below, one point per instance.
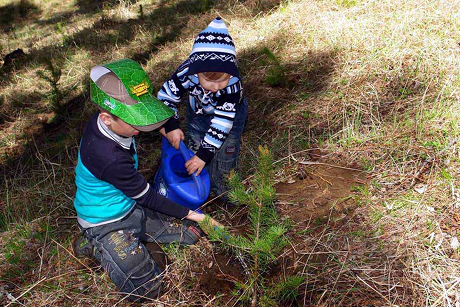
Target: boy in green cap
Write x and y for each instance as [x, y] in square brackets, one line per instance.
[117, 209]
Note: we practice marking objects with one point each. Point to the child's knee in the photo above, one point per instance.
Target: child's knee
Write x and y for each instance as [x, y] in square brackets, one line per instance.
[133, 271]
[146, 282]
[192, 234]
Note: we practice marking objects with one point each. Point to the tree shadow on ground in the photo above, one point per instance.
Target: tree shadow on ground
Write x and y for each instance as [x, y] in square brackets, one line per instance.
[88, 6]
[170, 18]
[344, 263]
[99, 39]
[44, 134]
[273, 85]
[59, 140]
[259, 7]
[165, 22]
[13, 15]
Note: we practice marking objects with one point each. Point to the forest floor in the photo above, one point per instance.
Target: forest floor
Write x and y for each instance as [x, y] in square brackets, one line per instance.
[358, 101]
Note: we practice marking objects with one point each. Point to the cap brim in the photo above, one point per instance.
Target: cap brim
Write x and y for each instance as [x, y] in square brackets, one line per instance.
[149, 128]
[150, 112]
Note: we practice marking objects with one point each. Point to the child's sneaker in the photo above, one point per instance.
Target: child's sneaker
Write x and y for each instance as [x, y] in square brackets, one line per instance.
[82, 247]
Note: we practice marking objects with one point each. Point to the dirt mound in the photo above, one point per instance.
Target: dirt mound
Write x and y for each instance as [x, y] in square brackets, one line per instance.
[317, 189]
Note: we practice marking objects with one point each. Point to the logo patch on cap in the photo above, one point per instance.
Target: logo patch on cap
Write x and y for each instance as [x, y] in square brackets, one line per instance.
[140, 89]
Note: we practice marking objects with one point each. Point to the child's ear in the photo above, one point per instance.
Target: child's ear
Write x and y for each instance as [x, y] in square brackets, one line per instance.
[106, 118]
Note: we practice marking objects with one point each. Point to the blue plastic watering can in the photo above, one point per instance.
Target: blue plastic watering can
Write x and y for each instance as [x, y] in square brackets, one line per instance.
[173, 181]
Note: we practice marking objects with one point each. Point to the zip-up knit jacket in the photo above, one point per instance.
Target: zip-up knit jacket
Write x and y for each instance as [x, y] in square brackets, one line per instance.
[108, 183]
[220, 106]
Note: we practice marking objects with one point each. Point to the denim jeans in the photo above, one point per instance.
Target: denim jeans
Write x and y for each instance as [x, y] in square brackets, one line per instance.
[120, 251]
[226, 158]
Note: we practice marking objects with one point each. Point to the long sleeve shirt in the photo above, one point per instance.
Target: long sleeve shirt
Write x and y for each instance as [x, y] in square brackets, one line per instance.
[108, 182]
[219, 106]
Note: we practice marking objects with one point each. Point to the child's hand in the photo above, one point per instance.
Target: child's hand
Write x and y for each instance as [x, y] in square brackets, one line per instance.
[216, 223]
[194, 164]
[174, 137]
[199, 217]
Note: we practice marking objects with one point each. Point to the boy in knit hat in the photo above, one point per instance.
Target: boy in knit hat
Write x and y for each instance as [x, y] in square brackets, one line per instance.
[216, 106]
[117, 209]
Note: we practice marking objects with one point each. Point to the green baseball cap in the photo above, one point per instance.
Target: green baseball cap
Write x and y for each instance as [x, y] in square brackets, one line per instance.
[124, 89]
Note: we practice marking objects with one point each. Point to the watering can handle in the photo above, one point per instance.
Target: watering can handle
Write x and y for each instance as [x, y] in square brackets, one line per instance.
[187, 154]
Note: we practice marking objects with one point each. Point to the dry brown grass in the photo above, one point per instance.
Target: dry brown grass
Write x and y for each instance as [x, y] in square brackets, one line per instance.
[373, 83]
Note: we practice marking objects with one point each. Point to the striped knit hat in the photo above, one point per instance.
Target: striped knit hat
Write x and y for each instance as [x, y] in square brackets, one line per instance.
[213, 50]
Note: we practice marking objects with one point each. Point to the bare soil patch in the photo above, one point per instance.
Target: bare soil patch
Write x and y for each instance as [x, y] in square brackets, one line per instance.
[316, 190]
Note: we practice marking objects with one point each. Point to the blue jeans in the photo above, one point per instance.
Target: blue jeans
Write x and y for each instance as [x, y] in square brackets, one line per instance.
[226, 158]
[120, 251]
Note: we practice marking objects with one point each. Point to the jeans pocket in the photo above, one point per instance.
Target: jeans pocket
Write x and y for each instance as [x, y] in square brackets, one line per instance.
[227, 156]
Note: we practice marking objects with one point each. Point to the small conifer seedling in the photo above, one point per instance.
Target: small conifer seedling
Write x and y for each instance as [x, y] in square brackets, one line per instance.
[266, 234]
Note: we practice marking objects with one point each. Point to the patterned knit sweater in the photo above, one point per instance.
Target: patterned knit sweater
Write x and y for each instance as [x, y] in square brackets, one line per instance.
[219, 106]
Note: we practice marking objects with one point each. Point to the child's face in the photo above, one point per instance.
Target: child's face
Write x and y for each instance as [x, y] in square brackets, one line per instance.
[123, 129]
[118, 126]
[213, 85]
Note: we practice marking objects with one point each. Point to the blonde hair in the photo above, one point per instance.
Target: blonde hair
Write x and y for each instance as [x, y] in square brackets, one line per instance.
[214, 76]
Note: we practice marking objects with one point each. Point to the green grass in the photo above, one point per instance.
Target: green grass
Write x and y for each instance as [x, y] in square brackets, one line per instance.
[374, 84]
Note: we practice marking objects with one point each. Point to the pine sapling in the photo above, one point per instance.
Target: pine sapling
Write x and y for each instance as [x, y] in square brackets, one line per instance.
[266, 236]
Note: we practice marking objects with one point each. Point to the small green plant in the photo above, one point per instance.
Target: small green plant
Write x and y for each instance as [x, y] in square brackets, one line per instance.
[346, 3]
[306, 114]
[404, 92]
[276, 75]
[13, 251]
[446, 174]
[140, 13]
[435, 144]
[367, 164]
[16, 256]
[376, 215]
[376, 184]
[266, 238]
[52, 75]
[60, 28]
[283, 291]
[361, 189]
[358, 233]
